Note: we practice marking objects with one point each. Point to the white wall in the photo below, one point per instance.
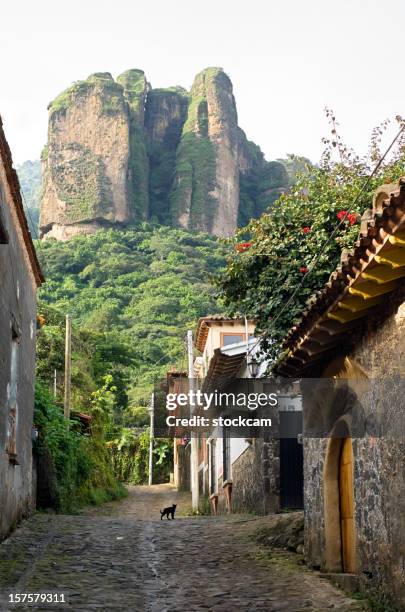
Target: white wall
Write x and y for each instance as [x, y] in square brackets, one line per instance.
[238, 446]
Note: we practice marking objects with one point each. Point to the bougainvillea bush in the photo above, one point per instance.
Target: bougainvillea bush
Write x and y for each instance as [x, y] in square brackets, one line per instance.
[294, 247]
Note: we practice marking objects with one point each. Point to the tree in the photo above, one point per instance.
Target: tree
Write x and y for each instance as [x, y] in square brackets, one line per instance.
[132, 295]
[289, 253]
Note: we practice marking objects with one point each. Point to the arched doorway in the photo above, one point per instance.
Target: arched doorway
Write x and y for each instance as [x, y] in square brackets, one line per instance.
[340, 529]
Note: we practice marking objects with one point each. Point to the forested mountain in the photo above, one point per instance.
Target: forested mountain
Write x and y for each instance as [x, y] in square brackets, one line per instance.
[132, 295]
[120, 152]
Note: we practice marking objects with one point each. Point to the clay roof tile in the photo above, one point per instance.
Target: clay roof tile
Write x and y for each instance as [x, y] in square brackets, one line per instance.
[376, 225]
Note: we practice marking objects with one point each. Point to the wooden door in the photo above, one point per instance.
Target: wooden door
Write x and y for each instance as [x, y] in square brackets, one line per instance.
[346, 491]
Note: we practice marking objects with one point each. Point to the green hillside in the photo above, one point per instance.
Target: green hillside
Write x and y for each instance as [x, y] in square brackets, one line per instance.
[132, 295]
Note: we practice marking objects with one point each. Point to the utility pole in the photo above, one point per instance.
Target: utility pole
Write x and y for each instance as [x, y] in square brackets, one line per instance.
[247, 337]
[68, 357]
[152, 434]
[194, 439]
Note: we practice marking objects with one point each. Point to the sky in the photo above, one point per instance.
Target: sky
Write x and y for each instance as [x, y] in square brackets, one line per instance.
[287, 61]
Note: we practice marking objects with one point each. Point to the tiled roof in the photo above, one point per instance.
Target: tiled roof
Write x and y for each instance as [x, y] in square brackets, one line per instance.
[222, 368]
[14, 187]
[356, 290]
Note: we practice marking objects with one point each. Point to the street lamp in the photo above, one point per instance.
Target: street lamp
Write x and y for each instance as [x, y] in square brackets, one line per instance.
[253, 366]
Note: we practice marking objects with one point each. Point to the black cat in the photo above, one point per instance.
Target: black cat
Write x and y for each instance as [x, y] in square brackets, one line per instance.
[168, 511]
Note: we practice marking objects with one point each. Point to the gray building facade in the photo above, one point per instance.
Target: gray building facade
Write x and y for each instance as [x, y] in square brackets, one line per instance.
[20, 276]
[349, 350]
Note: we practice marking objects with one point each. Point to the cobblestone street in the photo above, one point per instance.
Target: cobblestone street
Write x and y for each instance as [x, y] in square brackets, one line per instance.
[121, 556]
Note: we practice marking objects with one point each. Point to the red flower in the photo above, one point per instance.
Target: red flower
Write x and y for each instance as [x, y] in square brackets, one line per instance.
[346, 216]
[243, 246]
[303, 269]
[341, 214]
[306, 230]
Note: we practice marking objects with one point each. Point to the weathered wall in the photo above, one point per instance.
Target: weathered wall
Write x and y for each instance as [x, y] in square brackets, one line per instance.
[183, 468]
[18, 310]
[314, 454]
[255, 479]
[379, 465]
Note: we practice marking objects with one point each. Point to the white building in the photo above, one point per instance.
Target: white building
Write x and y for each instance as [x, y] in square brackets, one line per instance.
[259, 474]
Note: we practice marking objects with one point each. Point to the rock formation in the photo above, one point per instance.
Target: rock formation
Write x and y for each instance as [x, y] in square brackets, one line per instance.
[166, 112]
[85, 164]
[120, 152]
[205, 193]
[135, 90]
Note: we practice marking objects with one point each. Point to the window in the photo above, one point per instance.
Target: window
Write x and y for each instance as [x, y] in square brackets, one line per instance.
[227, 339]
[3, 231]
[12, 393]
[232, 338]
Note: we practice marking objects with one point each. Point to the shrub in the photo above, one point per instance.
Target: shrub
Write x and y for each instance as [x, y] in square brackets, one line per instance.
[72, 468]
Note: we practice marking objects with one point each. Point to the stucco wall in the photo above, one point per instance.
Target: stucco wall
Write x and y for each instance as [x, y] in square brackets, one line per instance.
[214, 337]
[18, 309]
[379, 465]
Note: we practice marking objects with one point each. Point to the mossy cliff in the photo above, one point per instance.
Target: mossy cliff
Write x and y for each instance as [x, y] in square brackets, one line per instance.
[136, 89]
[260, 182]
[85, 166]
[120, 152]
[205, 192]
[166, 113]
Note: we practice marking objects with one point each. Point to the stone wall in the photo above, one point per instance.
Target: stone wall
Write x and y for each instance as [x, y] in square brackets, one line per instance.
[379, 464]
[314, 454]
[18, 316]
[255, 479]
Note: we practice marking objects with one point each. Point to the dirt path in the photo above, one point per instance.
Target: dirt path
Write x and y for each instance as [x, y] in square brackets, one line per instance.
[121, 556]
